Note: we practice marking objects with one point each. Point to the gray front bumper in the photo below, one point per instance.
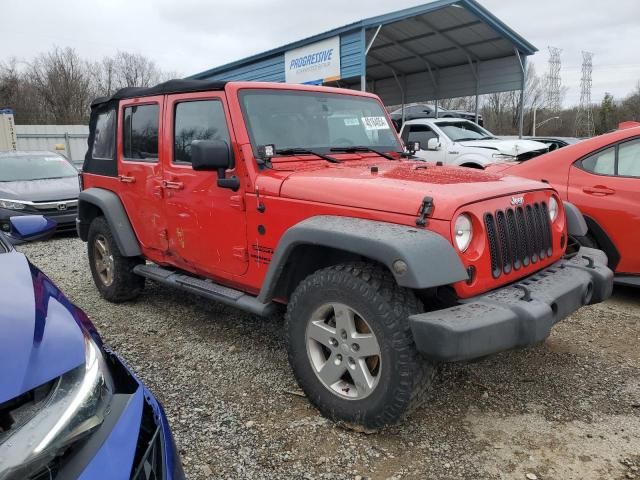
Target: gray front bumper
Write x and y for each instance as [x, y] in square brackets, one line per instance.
[516, 315]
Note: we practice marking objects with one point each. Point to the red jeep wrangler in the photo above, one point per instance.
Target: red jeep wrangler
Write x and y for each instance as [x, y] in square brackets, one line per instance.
[258, 194]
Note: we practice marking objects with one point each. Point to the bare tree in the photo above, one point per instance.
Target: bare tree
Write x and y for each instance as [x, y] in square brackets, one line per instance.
[104, 77]
[62, 81]
[18, 93]
[135, 70]
[502, 110]
[126, 70]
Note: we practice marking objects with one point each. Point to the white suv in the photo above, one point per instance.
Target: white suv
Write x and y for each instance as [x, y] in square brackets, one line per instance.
[461, 142]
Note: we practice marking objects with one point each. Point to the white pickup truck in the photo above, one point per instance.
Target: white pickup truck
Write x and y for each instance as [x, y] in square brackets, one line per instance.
[461, 142]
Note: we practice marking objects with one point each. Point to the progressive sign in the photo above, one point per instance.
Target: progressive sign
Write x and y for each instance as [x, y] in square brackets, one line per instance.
[315, 63]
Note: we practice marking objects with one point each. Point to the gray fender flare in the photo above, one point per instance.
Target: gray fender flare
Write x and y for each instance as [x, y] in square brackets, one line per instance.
[114, 213]
[576, 224]
[431, 260]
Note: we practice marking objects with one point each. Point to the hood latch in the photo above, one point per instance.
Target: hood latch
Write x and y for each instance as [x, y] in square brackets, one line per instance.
[425, 210]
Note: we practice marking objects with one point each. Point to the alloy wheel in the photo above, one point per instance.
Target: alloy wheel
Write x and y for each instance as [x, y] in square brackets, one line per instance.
[343, 351]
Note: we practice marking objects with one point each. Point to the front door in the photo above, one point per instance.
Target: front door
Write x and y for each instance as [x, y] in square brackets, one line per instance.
[140, 171]
[206, 223]
[606, 187]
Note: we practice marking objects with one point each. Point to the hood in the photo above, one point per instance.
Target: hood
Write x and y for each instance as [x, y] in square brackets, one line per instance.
[400, 186]
[509, 147]
[40, 337]
[50, 189]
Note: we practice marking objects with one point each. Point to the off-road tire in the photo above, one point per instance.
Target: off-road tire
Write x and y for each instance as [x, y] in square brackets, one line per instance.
[126, 285]
[405, 375]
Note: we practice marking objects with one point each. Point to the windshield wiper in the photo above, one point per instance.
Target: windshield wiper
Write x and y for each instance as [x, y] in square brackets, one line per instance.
[361, 149]
[467, 139]
[304, 151]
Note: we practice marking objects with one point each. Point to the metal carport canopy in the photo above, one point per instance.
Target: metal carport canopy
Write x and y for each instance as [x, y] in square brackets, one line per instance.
[443, 49]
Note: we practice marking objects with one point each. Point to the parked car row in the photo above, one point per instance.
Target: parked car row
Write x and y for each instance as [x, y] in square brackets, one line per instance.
[307, 202]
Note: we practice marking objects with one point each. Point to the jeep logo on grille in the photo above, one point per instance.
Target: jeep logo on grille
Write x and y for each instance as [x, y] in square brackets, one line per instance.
[62, 206]
[515, 201]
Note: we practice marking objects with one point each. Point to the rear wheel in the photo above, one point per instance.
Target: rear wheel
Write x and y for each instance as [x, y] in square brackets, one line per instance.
[351, 347]
[112, 273]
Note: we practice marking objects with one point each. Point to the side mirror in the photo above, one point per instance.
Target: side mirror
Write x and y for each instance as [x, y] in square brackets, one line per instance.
[213, 155]
[29, 228]
[433, 144]
[413, 147]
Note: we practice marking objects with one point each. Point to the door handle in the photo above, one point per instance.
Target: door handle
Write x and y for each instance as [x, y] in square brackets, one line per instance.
[127, 179]
[598, 190]
[173, 185]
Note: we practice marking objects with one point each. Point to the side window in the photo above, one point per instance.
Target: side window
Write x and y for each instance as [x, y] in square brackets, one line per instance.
[197, 120]
[629, 159]
[104, 141]
[140, 140]
[601, 163]
[420, 133]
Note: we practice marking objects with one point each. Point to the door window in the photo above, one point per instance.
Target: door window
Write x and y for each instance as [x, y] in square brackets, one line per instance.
[420, 133]
[601, 163]
[104, 140]
[197, 120]
[629, 159]
[140, 140]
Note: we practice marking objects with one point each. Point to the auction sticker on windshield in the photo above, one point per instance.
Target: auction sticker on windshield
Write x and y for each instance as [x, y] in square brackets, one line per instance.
[375, 123]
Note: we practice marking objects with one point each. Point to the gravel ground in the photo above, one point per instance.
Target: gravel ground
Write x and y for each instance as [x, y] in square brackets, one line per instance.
[566, 409]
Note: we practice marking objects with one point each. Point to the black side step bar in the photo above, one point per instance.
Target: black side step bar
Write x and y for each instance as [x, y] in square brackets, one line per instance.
[205, 288]
[627, 280]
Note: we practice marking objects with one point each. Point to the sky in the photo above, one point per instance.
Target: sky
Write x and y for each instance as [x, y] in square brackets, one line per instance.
[189, 36]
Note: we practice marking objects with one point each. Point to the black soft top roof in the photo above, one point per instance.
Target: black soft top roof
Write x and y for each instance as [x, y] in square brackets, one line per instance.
[170, 86]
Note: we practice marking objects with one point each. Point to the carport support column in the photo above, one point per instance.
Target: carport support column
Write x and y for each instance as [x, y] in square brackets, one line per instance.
[523, 67]
[474, 70]
[363, 73]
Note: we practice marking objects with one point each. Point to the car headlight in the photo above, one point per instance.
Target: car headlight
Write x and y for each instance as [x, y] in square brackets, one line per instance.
[463, 232]
[553, 209]
[11, 205]
[76, 406]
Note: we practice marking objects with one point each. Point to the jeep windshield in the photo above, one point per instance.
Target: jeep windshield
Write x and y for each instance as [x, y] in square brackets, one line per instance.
[317, 121]
[463, 131]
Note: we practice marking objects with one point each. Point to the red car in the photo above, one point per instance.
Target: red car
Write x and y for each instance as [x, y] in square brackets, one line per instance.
[601, 176]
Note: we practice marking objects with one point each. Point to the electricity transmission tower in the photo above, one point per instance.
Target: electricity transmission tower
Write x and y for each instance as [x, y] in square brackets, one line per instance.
[554, 82]
[584, 118]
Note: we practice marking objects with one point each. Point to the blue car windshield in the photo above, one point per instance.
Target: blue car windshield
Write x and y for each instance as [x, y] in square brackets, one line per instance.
[316, 121]
[21, 167]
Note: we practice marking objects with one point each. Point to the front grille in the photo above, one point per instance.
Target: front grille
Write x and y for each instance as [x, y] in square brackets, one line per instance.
[148, 461]
[517, 237]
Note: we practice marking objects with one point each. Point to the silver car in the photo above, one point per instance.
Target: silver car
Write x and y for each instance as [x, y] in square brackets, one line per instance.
[41, 183]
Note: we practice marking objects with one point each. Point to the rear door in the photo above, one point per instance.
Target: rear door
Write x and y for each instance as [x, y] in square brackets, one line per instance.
[606, 187]
[140, 169]
[206, 223]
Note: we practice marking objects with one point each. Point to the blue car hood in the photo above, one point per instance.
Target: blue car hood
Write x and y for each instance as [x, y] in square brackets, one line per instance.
[40, 329]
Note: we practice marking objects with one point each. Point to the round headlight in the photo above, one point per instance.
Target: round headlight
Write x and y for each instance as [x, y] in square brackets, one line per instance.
[463, 232]
[553, 209]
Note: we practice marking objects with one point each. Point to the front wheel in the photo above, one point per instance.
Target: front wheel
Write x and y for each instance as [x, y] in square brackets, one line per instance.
[351, 348]
[112, 272]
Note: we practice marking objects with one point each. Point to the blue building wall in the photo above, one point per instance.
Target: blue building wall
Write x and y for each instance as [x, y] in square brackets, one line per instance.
[352, 54]
[271, 69]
